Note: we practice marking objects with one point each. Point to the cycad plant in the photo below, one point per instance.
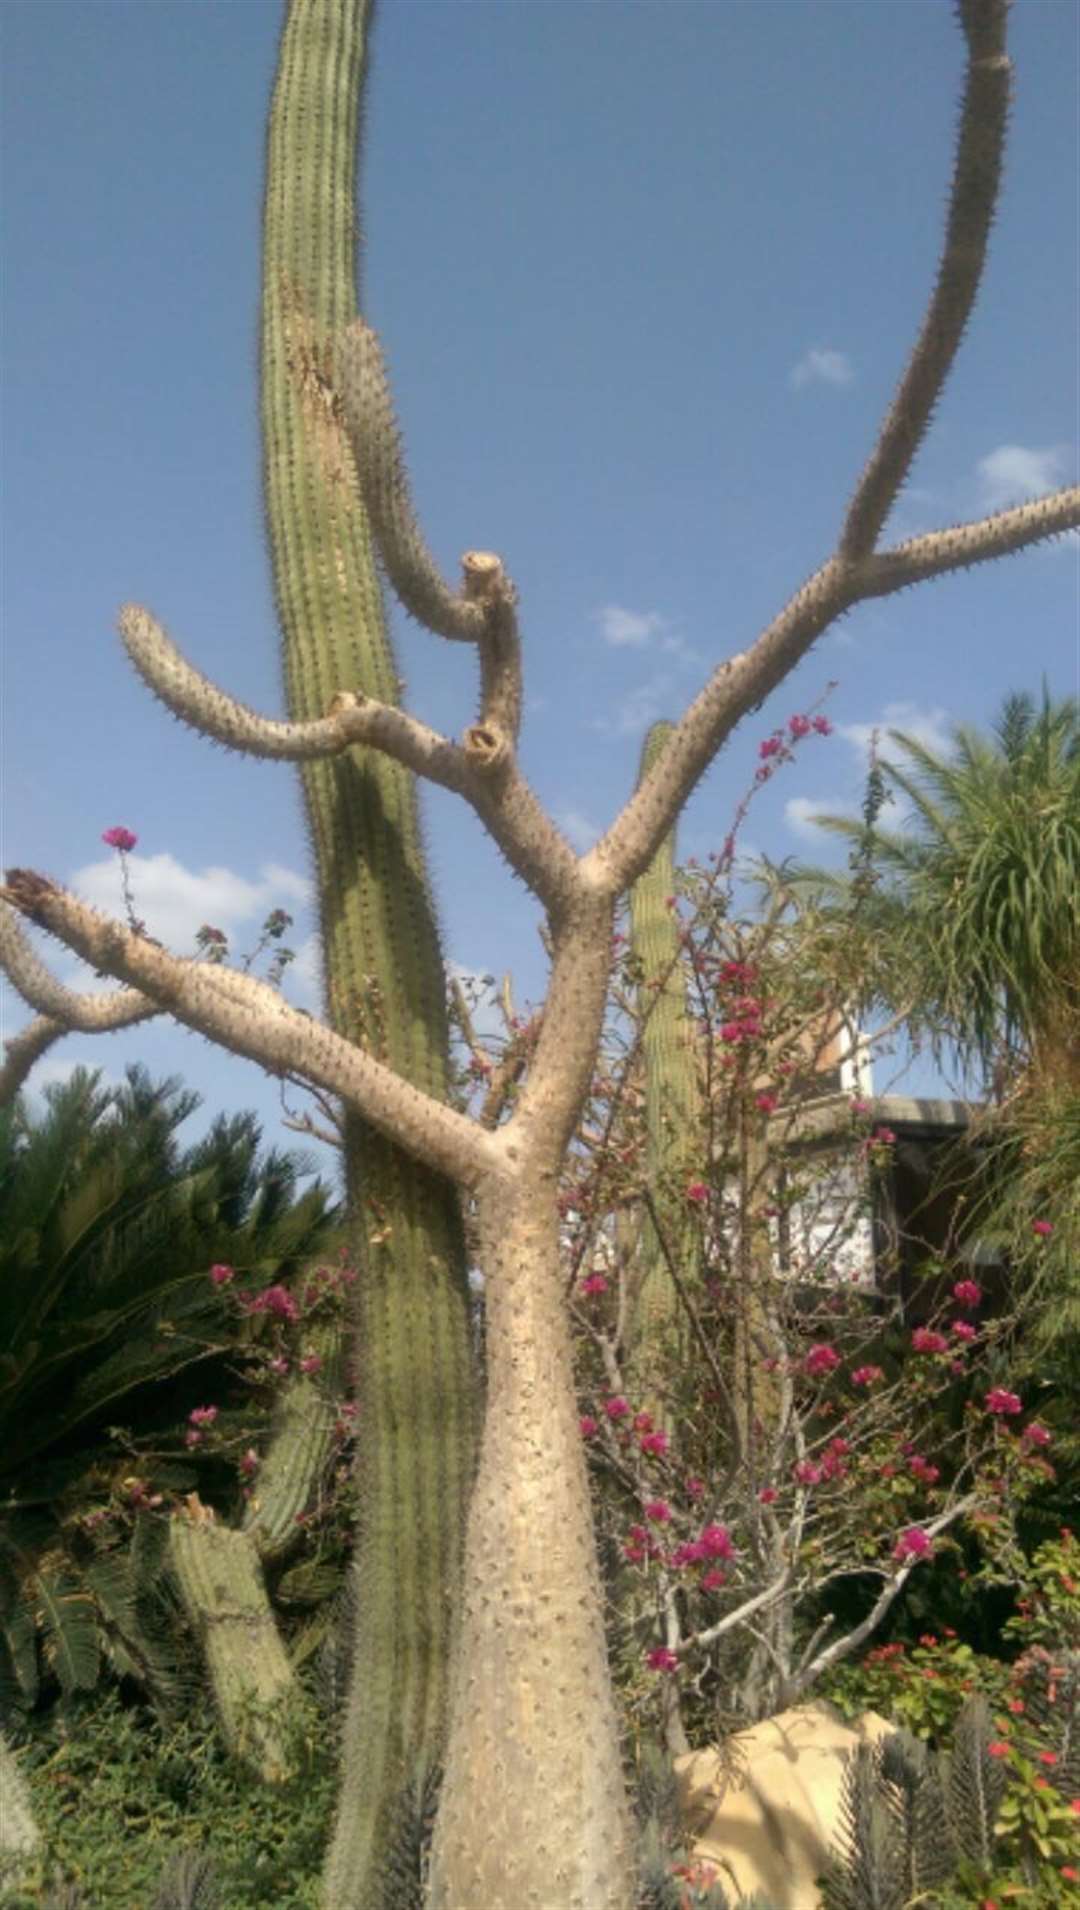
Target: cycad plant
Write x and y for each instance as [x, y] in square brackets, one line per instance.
[106, 1305]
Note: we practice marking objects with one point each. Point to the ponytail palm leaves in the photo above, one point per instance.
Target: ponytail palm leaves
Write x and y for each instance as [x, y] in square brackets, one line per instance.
[981, 887]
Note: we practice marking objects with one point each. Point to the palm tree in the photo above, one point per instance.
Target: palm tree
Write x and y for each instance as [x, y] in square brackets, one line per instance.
[979, 890]
[109, 1230]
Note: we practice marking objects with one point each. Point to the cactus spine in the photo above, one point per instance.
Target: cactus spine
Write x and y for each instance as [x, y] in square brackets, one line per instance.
[671, 1092]
[383, 971]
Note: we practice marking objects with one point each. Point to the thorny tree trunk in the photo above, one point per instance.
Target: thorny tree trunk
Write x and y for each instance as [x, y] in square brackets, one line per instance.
[534, 1741]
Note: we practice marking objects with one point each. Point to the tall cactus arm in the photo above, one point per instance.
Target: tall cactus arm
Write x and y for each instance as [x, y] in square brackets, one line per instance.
[670, 1091]
[385, 984]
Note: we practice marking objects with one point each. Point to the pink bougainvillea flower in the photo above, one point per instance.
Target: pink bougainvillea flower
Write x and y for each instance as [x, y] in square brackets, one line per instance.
[122, 839]
[658, 1510]
[768, 1495]
[697, 1191]
[311, 1363]
[589, 1426]
[913, 1544]
[276, 1300]
[821, 1359]
[716, 1542]
[691, 1554]
[1001, 1402]
[925, 1340]
[999, 1747]
[643, 1422]
[866, 1375]
[799, 726]
[964, 1330]
[655, 1443]
[968, 1292]
[617, 1408]
[1044, 1228]
[279, 1366]
[220, 1274]
[770, 747]
[821, 726]
[883, 1136]
[922, 1469]
[711, 1580]
[694, 1488]
[660, 1658]
[192, 1437]
[767, 1103]
[1036, 1435]
[596, 1283]
[202, 1415]
[807, 1473]
[249, 1463]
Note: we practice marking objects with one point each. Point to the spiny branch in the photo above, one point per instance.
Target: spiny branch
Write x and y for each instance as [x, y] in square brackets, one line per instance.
[250, 1018]
[975, 184]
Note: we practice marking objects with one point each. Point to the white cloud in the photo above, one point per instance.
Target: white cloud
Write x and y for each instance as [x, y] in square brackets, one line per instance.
[579, 830]
[1016, 471]
[629, 629]
[931, 728]
[175, 901]
[639, 708]
[800, 813]
[821, 365]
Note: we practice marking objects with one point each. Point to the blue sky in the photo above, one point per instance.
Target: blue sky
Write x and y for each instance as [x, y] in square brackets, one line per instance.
[646, 272]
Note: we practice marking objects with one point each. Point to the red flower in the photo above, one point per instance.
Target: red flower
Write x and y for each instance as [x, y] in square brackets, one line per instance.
[1003, 1403]
[697, 1191]
[589, 1427]
[866, 1375]
[770, 747]
[768, 1495]
[1036, 1435]
[658, 1510]
[925, 1340]
[121, 839]
[655, 1443]
[221, 1274]
[617, 1408]
[968, 1292]
[913, 1544]
[595, 1283]
[661, 1659]
[821, 1359]
[799, 726]
[999, 1748]
[1044, 1228]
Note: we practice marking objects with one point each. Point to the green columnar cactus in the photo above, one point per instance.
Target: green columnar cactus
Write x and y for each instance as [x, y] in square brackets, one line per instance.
[220, 1583]
[298, 1450]
[383, 971]
[671, 1090]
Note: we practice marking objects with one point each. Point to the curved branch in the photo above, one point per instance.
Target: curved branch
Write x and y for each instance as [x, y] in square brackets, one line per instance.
[23, 1050]
[483, 611]
[81, 1013]
[482, 768]
[251, 1019]
[972, 199]
[350, 719]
